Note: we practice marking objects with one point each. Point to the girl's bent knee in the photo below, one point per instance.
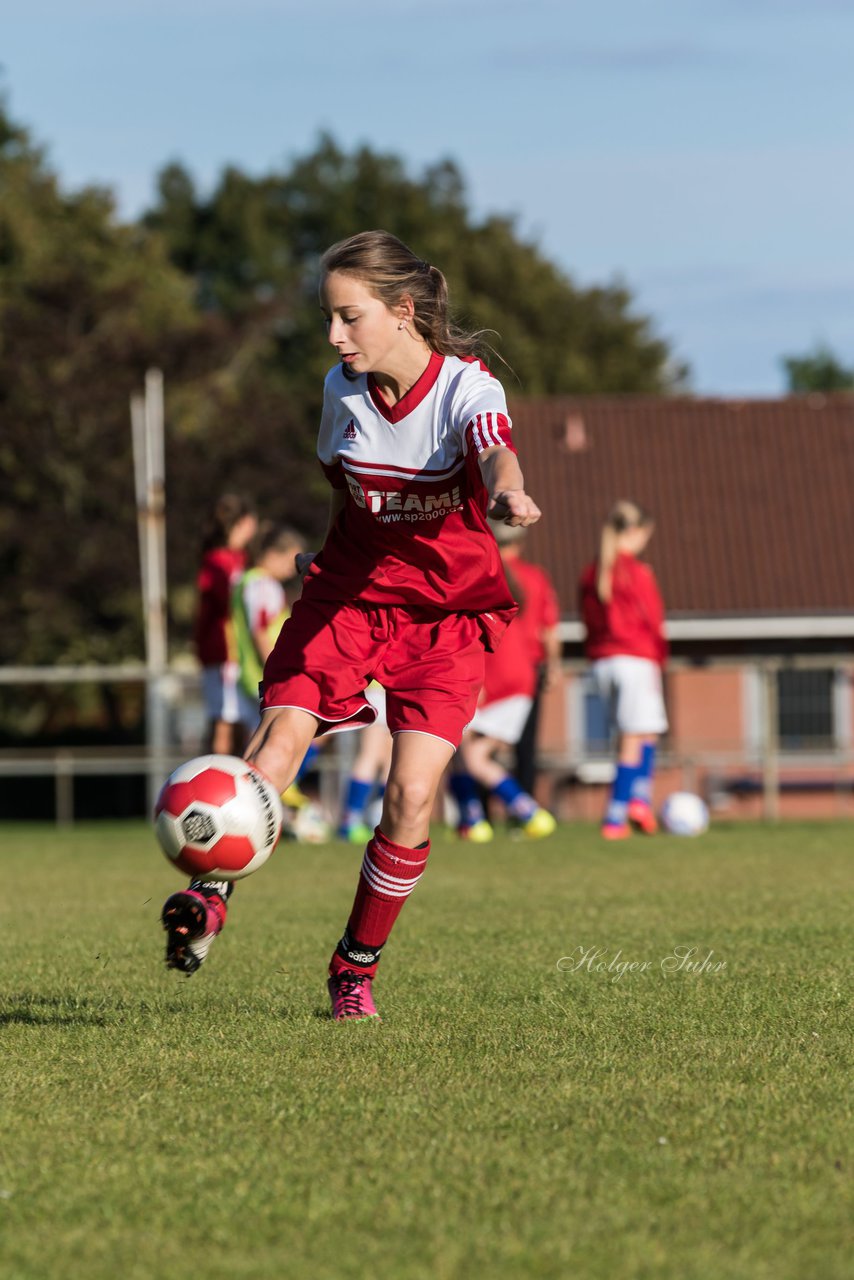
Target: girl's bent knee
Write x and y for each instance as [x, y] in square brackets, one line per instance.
[408, 801]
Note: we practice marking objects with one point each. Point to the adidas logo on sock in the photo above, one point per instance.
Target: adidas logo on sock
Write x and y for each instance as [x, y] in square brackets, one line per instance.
[355, 952]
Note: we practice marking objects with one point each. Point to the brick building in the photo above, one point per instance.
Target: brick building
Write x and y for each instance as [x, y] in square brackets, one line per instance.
[753, 552]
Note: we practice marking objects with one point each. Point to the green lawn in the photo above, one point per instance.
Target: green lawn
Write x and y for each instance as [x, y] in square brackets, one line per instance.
[518, 1113]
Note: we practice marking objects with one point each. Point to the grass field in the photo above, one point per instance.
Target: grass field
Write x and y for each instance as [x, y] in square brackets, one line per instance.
[518, 1113]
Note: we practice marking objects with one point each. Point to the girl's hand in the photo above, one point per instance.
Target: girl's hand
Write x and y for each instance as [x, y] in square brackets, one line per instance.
[304, 560]
[513, 506]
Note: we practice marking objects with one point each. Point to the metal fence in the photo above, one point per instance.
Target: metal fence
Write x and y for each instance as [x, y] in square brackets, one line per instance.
[176, 698]
[795, 713]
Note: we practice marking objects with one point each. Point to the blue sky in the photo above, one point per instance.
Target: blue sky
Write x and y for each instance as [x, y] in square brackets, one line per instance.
[700, 152]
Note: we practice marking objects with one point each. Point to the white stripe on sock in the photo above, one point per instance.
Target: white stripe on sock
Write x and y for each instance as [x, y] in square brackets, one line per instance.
[392, 886]
[387, 875]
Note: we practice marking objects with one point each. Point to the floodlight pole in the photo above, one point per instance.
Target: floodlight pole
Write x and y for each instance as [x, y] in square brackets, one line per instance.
[137, 422]
[147, 425]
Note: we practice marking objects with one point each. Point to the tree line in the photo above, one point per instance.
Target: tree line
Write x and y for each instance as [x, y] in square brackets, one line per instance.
[219, 290]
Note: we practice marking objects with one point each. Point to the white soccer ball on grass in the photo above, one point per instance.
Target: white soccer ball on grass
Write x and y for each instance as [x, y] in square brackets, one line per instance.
[684, 814]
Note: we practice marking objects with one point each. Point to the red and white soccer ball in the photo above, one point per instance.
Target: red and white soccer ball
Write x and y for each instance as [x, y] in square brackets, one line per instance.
[684, 814]
[218, 818]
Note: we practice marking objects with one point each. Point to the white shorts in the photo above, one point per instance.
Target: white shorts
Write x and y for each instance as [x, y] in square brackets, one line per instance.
[219, 689]
[504, 719]
[632, 688]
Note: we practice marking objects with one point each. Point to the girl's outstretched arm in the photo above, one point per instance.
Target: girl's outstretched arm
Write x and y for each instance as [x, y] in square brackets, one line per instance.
[505, 484]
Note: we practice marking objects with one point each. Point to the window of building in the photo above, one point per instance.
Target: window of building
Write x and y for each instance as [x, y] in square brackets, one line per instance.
[805, 709]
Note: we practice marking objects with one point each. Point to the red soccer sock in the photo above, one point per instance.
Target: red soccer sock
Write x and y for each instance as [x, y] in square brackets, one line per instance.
[389, 874]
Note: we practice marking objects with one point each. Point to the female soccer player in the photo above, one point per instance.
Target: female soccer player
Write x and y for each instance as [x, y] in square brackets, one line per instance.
[368, 772]
[231, 528]
[408, 587]
[259, 607]
[509, 687]
[622, 610]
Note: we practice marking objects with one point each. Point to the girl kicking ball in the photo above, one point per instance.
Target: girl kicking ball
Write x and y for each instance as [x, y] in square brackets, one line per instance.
[407, 589]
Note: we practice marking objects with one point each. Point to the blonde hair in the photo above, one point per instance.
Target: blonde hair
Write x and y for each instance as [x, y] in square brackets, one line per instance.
[624, 515]
[390, 269]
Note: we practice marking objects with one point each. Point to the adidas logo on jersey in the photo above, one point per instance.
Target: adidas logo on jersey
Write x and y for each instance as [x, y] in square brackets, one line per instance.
[350, 430]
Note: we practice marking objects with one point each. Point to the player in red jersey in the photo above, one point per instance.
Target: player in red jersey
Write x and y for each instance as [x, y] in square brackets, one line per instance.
[231, 528]
[408, 587]
[623, 613]
[509, 687]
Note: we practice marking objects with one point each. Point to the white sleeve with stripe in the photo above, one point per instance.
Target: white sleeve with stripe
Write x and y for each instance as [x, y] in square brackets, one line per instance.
[483, 419]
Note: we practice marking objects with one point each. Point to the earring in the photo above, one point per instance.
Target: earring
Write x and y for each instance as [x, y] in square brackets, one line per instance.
[402, 324]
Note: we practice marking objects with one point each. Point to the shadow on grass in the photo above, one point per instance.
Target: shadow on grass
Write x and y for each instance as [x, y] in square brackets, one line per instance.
[50, 1011]
[41, 1010]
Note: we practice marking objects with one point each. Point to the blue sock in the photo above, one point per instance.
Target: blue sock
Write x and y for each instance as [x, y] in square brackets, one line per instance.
[642, 781]
[621, 791]
[465, 792]
[517, 800]
[358, 794]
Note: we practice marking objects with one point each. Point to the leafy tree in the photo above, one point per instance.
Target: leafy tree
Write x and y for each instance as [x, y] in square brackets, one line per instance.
[86, 305]
[817, 371]
[258, 239]
[220, 292]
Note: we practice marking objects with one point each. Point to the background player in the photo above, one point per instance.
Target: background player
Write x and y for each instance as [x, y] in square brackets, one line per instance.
[408, 587]
[259, 607]
[229, 531]
[623, 613]
[368, 773]
[544, 635]
[510, 684]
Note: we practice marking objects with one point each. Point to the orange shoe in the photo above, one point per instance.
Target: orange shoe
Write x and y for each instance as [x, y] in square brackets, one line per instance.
[616, 831]
[641, 815]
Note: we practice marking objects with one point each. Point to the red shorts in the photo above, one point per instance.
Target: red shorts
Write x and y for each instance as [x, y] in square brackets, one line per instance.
[430, 665]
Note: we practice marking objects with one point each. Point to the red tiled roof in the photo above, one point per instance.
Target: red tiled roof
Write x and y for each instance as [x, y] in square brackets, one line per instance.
[753, 499]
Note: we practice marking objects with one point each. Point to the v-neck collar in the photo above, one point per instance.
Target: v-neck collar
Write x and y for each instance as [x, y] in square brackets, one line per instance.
[413, 397]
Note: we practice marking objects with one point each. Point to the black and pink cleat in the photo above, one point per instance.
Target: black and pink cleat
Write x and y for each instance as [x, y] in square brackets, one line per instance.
[192, 919]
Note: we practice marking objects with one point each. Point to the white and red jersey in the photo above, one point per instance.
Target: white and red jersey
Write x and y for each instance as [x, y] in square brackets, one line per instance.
[413, 531]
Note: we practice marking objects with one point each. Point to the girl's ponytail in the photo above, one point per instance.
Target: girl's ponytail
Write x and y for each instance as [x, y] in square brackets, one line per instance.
[622, 516]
